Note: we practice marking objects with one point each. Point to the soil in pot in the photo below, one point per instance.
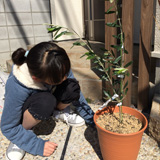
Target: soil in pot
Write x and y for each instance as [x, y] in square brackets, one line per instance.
[111, 122]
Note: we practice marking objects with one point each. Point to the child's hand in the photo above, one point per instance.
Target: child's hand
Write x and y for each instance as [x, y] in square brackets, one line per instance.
[49, 148]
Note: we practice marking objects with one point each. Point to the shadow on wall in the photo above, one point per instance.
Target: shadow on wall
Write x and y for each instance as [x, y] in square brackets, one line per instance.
[155, 90]
[20, 26]
[18, 22]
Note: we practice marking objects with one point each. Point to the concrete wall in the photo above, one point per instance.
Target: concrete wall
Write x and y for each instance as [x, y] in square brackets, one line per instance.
[21, 21]
[21, 24]
[156, 52]
[157, 29]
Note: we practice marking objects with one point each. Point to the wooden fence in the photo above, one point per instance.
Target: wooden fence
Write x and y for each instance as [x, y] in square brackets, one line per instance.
[144, 45]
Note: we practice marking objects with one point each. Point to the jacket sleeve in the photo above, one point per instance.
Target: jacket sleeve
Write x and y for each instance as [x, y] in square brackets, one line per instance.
[15, 95]
[82, 106]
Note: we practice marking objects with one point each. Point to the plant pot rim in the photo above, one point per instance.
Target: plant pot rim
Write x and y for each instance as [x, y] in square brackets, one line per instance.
[120, 134]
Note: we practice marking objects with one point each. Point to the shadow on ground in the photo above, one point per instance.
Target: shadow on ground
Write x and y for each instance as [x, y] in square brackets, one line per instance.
[92, 137]
[45, 127]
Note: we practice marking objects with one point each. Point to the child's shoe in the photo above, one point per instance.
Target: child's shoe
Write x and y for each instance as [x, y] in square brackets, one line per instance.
[68, 116]
[14, 152]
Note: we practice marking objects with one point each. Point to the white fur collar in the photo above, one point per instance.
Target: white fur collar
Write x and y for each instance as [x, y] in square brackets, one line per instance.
[23, 75]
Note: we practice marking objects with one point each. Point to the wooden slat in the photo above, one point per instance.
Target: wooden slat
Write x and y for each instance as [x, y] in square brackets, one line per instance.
[127, 23]
[109, 40]
[144, 53]
[109, 31]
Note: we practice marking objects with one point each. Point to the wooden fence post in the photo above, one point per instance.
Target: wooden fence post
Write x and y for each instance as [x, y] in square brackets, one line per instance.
[145, 53]
[127, 24]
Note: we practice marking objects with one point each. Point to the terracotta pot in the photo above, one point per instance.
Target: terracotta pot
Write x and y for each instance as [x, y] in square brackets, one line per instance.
[115, 146]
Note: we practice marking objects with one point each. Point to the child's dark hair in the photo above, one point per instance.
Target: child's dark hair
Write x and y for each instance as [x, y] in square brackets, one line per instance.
[46, 61]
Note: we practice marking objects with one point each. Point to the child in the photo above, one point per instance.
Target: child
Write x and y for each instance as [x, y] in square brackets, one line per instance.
[29, 98]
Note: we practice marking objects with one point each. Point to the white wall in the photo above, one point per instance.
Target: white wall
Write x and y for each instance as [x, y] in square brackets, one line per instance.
[68, 13]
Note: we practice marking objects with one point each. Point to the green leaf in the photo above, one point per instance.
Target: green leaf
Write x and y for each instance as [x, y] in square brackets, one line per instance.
[53, 29]
[50, 29]
[123, 36]
[109, 11]
[115, 85]
[128, 64]
[117, 60]
[83, 55]
[126, 84]
[86, 54]
[68, 33]
[121, 97]
[91, 57]
[110, 58]
[127, 73]
[117, 36]
[113, 24]
[112, 53]
[56, 33]
[78, 43]
[126, 91]
[118, 47]
[108, 68]
[125, 51]
[120, 70]
[109, 24]
[106, 94]
[61, 34]
[89, 43]
[107, 54]
[100, 69]
[96, 61]
[103, 60]
[103, 77]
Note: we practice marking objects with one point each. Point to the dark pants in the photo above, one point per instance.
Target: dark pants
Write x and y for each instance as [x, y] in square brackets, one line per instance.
[41, 105]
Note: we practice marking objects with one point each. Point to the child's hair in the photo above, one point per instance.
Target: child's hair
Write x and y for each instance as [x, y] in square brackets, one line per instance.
[46, 61]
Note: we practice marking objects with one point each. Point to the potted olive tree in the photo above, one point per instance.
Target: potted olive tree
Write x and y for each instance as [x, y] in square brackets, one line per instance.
[120, 128]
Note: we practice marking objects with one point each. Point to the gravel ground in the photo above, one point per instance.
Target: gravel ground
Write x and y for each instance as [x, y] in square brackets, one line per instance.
[79, 143]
